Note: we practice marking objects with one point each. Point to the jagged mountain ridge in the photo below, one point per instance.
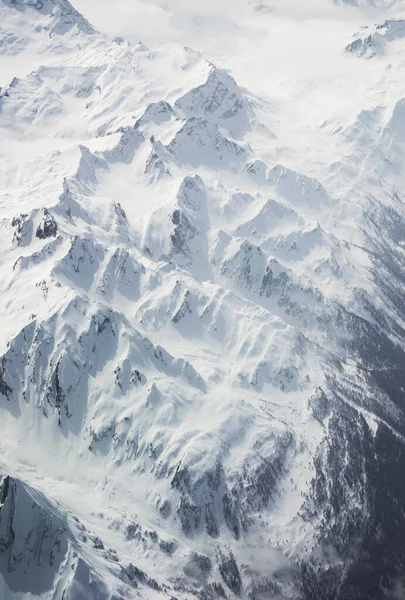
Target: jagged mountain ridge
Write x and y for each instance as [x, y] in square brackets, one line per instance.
[373, 44]
[194, 328]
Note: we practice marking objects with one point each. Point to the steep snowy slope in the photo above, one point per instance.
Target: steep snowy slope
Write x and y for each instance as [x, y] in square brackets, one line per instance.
[202, 348]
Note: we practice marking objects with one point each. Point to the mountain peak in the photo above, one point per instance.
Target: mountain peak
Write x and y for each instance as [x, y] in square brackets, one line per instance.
[62, 17]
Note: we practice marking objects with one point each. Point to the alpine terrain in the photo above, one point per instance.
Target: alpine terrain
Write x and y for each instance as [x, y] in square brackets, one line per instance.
[202, 300]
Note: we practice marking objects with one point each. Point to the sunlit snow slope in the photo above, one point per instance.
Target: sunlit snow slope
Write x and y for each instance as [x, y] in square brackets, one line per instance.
[202, 356]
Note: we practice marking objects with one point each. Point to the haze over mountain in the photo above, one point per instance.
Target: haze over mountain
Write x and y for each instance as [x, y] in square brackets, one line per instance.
[201, 296]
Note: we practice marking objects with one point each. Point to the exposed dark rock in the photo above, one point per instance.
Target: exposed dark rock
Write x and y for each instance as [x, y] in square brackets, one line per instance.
[33, 536]
[195, 514]
[212, 591]
[168, 547]
[4, 488]
[229, 572]
[23, 229]
[165, 509]
[133, 531]
[265, 587]
[133, 576]
[184, 309]
[5, 389]
[182, 233]
[48, 226]
[98, 544]
[319, 405]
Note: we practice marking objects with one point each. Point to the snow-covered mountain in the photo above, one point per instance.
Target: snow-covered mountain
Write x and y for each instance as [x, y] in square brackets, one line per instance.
[374, 43]
[201, 274]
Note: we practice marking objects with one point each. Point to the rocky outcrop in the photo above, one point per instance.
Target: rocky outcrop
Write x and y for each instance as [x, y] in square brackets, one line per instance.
[374, 43]
[47, 227]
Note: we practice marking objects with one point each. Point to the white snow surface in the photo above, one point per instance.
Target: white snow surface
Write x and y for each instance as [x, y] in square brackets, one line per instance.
[182, 219]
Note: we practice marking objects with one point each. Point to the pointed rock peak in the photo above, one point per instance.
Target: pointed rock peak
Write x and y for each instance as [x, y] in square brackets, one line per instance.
[257, 170]
[81, 262]
[268, 219]
[63, 17]
[130, 140]
[120, 213]
[250, 249]
[297, 187]
[89, 163]
[153, 397]
[192, 56]
[122, 273]
[156, 112]
[191, 193]
[141, 47]
[200, 141]
[218, 99]
[47, 227]
[68, 207]
[155, 168]
[120, 41]
[243, 262]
